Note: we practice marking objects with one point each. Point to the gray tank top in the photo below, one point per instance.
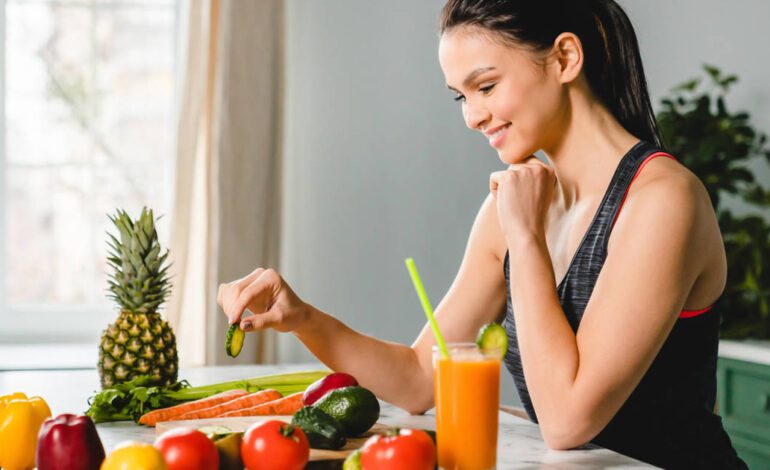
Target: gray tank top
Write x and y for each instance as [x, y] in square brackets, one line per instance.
[668, 419]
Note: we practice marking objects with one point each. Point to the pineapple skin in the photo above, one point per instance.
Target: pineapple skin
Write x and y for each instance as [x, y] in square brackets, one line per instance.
[137, 344]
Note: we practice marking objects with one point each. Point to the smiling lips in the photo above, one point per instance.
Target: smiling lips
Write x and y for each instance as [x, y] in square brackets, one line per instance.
[496, 136]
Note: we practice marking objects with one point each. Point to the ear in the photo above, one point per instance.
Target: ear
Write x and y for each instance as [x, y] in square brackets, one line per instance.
[568, 51]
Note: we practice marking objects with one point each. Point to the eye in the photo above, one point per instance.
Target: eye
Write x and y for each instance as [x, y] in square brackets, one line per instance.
[486, 89]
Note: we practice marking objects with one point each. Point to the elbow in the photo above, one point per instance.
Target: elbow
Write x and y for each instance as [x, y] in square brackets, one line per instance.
[418, 410]
[415, 400]
[563, 441]
[419, 406]
[565, 434]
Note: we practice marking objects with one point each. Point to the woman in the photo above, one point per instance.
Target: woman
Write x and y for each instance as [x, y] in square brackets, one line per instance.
[622, 350]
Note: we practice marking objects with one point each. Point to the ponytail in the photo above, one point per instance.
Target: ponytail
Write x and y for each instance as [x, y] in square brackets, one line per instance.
[612, 66]
[619, 79]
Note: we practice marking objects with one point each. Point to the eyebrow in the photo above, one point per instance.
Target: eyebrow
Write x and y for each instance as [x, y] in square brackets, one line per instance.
[472, 76]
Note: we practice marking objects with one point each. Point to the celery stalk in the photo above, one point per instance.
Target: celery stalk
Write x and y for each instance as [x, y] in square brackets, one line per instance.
[284, 383]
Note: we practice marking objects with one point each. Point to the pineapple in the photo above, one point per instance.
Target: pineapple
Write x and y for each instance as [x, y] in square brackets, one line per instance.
[139, 342]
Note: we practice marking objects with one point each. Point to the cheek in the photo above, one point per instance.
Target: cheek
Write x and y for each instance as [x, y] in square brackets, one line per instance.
[533, 114]
[541, 111]
[543, 103]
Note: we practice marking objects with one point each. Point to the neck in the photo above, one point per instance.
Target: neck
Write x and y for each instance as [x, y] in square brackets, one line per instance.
[585, 155]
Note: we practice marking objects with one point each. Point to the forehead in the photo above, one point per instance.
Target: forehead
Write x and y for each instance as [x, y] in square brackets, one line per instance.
[462, 50]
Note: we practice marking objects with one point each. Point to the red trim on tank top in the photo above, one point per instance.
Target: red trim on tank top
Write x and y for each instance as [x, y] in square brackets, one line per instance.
[644, 163]
[683, 313]
[694, 313]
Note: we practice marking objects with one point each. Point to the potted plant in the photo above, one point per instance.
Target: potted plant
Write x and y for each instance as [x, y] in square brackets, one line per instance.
[718, 145]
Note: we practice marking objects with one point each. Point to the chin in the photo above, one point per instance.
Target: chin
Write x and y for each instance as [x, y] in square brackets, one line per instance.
[513, 157]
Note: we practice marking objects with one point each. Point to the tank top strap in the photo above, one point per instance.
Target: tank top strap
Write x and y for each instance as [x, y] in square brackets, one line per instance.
[630, 165]
[583, 271]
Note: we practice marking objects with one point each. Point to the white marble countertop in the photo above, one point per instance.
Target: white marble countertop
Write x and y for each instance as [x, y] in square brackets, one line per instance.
[520, 445]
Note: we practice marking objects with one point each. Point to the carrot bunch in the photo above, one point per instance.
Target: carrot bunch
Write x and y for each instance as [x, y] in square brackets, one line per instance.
[228, 404]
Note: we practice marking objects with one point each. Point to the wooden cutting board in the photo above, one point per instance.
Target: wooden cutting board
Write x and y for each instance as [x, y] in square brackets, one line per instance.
[242, 423]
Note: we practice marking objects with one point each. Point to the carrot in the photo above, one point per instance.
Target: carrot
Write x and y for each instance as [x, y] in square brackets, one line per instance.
[167, 414]
[287, 405]
[239, 403]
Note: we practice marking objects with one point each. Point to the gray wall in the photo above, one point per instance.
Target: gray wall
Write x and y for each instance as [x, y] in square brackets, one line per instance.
[677, 36]
[379, 165]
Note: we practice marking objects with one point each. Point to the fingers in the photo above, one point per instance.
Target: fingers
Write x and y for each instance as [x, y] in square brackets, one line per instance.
[228, 293]
[261, 321]
[498, 178]
[250, 277]
[258, 296]
[494, 181]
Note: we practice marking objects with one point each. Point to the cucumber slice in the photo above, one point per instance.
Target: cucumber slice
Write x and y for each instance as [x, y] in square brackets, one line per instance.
[234, 340]
[215, 432]
[492, 338]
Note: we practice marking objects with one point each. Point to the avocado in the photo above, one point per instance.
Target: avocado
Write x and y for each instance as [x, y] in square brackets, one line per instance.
[229, 448]
[322, 431]
[356, 408]
[234, 340]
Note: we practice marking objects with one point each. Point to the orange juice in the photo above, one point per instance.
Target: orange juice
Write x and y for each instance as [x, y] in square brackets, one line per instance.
[467, 394]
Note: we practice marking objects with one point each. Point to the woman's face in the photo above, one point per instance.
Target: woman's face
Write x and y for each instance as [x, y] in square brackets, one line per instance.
[517, 104]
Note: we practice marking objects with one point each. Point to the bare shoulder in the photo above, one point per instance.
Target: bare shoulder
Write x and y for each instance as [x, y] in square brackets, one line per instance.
[667, 187]
[668, 196]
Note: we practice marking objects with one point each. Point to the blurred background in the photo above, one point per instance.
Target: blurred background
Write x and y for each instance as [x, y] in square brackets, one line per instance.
[313, 136]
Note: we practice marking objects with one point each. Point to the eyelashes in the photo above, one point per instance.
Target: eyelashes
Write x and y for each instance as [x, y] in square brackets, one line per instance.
[484, 91]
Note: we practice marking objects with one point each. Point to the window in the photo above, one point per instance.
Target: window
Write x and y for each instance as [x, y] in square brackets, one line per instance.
[88, 91]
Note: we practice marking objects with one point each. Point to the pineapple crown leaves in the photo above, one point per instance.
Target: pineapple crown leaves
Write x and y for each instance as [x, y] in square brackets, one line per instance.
[139, 281]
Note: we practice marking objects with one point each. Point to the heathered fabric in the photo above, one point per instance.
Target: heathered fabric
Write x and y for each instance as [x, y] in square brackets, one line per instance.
[668, 419]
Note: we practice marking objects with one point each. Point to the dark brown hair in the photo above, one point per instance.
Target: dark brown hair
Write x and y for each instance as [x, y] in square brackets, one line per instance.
[612, 63]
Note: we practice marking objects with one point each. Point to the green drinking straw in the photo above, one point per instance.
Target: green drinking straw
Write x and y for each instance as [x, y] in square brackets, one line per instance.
[426, 306]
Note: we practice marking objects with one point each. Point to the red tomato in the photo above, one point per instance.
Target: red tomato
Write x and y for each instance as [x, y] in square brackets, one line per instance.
[188, 449]
[410, 449]
[274, 445]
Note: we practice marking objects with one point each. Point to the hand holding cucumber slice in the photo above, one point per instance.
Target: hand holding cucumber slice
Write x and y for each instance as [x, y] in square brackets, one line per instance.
[493, 338]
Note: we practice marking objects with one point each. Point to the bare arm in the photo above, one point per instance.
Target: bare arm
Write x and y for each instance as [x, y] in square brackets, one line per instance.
[579, 382]
[397, 373]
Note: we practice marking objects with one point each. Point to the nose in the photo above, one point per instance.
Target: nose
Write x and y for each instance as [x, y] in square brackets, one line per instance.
[475, 116]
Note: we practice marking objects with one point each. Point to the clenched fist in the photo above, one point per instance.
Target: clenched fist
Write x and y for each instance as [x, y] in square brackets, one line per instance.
[523, 194]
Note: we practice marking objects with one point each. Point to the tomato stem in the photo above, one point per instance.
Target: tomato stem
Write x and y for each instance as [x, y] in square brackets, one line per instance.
[287, 431]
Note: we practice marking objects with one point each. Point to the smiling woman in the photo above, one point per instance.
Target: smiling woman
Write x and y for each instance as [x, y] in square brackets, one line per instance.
[621, 350]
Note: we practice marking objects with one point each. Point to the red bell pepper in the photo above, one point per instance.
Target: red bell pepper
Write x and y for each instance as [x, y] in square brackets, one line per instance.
[69, 442]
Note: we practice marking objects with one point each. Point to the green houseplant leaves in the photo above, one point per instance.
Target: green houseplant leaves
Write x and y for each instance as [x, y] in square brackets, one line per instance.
[719, 146]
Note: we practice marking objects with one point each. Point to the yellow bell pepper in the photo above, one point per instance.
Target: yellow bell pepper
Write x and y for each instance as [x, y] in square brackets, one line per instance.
[134, 456]
[20, 421]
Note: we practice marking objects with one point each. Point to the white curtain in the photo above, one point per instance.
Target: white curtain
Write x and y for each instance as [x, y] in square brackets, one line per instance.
[226, 215]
